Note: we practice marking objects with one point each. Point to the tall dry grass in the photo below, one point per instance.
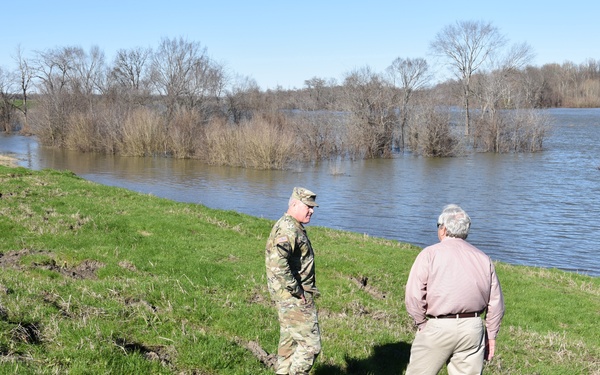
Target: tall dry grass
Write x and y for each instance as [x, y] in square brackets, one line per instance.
[220, 144]
[82, 133]
[268, 146]
[185, 136]
[143, 133]
[257, 143]
[268, 141]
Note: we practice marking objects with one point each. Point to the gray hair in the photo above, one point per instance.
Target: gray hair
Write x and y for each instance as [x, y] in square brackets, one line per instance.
[456, 221]
[291, 201]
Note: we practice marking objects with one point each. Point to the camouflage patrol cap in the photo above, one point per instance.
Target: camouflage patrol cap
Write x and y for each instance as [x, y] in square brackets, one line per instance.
[305, 196]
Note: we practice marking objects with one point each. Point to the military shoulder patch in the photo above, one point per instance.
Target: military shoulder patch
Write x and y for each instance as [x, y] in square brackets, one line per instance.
[281, 240]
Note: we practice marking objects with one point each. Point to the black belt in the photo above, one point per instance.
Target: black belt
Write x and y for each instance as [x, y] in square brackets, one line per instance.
[457, 316]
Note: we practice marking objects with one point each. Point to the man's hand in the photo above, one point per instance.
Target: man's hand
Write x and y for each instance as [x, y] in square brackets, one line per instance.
[303, 298]
[490, 349]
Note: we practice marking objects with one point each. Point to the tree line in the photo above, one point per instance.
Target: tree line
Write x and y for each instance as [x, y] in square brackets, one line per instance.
[176, 101]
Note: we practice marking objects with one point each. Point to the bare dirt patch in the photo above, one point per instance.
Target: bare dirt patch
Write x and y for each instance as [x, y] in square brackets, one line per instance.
[128, 266]
[363, 283]
[163, 354]
[84, 270]
[257, 295]
[269, 360]
[136, 302]
[26, 332]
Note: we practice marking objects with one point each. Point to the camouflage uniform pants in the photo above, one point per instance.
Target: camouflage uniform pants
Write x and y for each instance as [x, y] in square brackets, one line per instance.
[300, 337]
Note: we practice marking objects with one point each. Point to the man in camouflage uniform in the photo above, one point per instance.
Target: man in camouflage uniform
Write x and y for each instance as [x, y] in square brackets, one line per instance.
[291, 281]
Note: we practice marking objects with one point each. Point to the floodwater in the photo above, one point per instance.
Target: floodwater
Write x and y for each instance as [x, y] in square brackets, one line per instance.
[540, 209]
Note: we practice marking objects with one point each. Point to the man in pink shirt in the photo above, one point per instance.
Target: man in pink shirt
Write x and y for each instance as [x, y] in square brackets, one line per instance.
[451, 285]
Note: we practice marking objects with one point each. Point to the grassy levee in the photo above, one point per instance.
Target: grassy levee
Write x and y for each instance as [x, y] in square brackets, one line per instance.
[103, 280]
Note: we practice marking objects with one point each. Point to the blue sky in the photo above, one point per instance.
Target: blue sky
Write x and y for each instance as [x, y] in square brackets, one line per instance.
[283, 43]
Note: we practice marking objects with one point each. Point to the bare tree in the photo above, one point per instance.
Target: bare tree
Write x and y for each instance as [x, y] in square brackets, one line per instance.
[409, 75]
[242, 98]
[54, 70]
[68, 81]
[372, 101]
[184, 75]
[553, 83]
[89, 71]
[584, 90]
[504, 88]
[25, 77]
[87, 78]
[7, 98]
[172, 64]
[466, 46]
[501, 87]
[320, 92]
[205, 86]
[129, 67]
[70, 70]
[532, 83]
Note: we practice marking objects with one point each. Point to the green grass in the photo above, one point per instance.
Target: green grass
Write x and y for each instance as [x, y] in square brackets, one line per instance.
[102, 280]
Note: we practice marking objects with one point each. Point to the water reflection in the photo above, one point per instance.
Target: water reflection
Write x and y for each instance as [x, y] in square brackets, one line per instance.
[533, 209]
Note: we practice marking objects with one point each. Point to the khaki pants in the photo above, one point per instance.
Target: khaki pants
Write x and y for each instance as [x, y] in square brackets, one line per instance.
[300, 337]
[460, 343]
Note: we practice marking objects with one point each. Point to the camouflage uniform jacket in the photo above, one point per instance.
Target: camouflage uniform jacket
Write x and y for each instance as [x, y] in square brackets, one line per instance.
[290, 260]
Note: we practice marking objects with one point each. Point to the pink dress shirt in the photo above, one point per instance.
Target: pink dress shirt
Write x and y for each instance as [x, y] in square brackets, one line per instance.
[453, 277]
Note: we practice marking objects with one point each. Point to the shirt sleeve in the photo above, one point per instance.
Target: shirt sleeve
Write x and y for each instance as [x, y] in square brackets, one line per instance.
[416, 289]
[284, 249]
[495, 309]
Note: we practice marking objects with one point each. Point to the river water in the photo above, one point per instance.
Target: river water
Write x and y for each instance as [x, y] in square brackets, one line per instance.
[540, 209]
